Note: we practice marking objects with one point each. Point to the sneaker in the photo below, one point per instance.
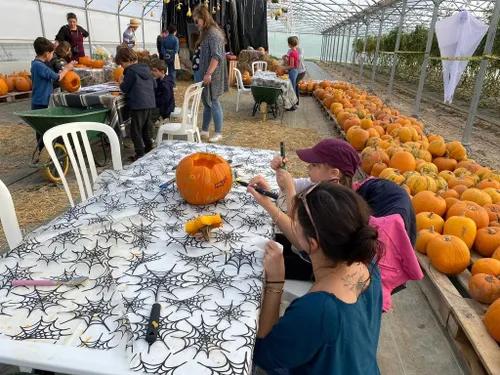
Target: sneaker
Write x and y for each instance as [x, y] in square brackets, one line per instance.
[204, 134]
[216, 138]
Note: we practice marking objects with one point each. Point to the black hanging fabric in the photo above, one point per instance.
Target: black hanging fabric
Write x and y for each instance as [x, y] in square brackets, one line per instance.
[244, 21]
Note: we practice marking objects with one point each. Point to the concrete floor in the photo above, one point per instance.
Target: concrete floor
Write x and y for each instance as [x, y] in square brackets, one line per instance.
[411, 340]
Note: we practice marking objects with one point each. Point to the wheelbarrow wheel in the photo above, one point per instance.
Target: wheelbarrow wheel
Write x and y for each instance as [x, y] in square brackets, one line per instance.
[49, 170]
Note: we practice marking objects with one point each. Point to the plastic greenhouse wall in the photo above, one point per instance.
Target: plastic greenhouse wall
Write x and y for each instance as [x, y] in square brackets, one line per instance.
[21, 24]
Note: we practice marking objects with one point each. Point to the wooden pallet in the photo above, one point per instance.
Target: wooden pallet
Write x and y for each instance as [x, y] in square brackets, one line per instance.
[13, 96]
[331, 117]
[461, 316]
[306, 93]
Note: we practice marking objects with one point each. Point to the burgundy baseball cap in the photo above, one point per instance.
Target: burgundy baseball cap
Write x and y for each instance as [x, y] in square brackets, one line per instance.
[335, 152]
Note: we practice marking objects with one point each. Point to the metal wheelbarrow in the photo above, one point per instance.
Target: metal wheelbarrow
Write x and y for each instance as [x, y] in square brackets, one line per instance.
[267, 95]
[42, 120]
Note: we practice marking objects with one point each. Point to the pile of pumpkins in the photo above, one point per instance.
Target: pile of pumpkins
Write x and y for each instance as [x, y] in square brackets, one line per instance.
[308, 86]
[20, 82]
[456, 200]
[247, 78]
[87, 62]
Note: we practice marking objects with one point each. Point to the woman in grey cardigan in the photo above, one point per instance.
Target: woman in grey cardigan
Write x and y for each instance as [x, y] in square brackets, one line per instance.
[213, 68]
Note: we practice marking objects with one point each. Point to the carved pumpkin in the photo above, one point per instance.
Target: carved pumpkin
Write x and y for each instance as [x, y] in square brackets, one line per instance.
[475, 195]
[370, 158]
[437, 148]
[448, 254]
[4, 89]
[117, 73]
[203, 178]
[456, 150]
[22, 85]
[493, 211]
[484, 288]
[424, 236]
[71, 82]
[492, 320]
[403, 161]
[487, 266]
[471, 210]
[462, 227]
[487, 241]
[425, 220]
[427, 201]
[445, 163]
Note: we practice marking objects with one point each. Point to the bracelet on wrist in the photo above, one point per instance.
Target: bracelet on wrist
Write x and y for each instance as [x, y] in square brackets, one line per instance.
[276, 218]
[274, 291]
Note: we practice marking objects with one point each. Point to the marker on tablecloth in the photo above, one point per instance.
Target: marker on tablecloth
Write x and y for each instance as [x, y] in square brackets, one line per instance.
[167, 184]
[154, 322]
[282, 151]
[258, 189]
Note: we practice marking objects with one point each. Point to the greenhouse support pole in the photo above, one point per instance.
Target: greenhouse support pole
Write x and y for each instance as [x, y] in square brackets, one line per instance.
[354, 52]
[348, 41]
[490, 39]
[87, 3]
[342, 46]
[338, 45]
[41, 17]
[363, 54]
[425, 63]
[375, 58]
[325, 48]
[322, 48]
[332, 45]
[119, 25]
[396, 49]
[143, 30]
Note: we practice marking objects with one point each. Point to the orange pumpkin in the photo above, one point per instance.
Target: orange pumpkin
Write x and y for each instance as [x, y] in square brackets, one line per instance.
[423, 238]
[10, 84]
[357, 137]
[475, 195]
[403, 161]
[450, 201]
[460, 189]
[418, 183]
[482, 171]
[425, 220]
[446, 175]
[449, 193]
[437, 148]
[377, 168]
[280, 71]
[493, 211]
[427, 201]
[456, 150]
[4, 89]
[117, 73]
[487, 266]
[445, 163]
[492, 320]
[370, 158]
[487, 241]
[71, 82]
[351, 122]
[463, 180]
[22, 85]
[448, 254]
[488, 183]
[203, 178]
[471, 210]
[484, 288]
[462, 227]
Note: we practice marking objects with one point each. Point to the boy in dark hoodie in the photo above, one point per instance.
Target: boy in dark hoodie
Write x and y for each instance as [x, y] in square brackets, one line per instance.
[138, 84]
[164, 92]
[59, 61]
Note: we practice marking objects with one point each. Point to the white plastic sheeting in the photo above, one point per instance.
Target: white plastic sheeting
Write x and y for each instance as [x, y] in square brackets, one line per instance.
[22, 24]
[458, 36]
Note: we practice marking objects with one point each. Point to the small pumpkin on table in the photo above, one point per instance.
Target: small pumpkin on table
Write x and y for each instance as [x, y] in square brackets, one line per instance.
[204, 225]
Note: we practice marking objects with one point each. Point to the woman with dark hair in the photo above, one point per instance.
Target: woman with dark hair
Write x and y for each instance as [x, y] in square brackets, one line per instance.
[170, 48]
[74, 34]
[334, 328]
[212, 68]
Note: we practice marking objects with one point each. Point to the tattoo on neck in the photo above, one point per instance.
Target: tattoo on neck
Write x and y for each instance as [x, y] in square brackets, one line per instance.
[355, 282]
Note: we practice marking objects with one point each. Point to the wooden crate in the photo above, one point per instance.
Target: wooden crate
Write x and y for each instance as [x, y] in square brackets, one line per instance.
[13, 96]
[461, 316]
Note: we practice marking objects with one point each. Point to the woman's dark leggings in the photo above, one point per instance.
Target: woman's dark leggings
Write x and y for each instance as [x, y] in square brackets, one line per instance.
[300, 77]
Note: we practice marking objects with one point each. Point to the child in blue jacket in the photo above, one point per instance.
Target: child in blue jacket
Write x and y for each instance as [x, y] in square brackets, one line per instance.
[164, 92]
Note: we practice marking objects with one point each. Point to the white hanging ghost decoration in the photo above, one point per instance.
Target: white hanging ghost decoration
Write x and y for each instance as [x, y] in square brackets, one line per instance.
[458, 36]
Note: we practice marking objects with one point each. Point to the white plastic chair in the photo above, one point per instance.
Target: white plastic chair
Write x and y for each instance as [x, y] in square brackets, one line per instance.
[241, 88]
[259, 65]
[8, 218]
[189, 124]
[79, 166]
[177, 113]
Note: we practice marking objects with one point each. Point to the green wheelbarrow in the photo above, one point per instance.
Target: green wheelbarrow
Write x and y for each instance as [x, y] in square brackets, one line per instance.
[268, 95]
[42, 120]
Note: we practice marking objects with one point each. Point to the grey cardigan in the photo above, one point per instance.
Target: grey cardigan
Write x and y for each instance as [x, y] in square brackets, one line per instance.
[212, 47]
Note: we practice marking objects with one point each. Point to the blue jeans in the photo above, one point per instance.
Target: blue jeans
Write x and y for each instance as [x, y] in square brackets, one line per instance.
[197, 76]
[214, 111]
[292, 74]
[38, 136]
[171, 69]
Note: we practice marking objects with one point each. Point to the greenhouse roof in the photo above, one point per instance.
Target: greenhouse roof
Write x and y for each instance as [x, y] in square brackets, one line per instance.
[329, 16]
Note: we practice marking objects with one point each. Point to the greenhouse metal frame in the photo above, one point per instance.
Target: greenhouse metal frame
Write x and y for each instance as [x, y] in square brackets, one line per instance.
[345, 22]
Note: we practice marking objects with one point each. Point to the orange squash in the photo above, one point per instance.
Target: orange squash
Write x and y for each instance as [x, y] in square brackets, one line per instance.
[493, 211]
[425, 220]
[462, 227]
[370, 158]
[423, 238]
[456, 150]
[448, 254]
[203, 178]
[71, 82]
[357, 137]
[471, 210]
[22, 85]
[378, 168]
[488, 183]
[487, 241]
[492, 320]
[484, 288]
[450, 201]
[445, 163]
[10, 84]
[475, 195]
[4, 89]
[437, 148]
[427, 201]
[449, 193]
[487, 266]
[117, 73]
[403, 161]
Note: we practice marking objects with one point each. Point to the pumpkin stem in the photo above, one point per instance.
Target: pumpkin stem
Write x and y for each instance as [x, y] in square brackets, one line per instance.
[447, 238]
[492, 231]
[431, 229]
